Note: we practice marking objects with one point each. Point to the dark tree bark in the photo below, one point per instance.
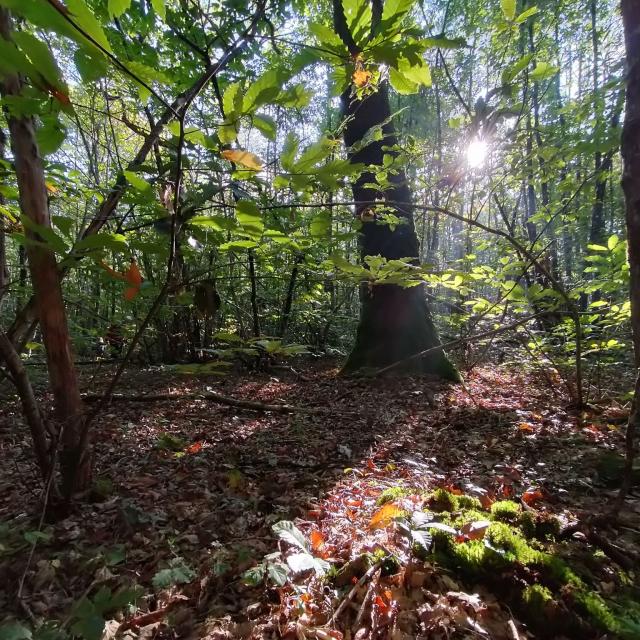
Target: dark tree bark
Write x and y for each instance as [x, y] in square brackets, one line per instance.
[74, 462]
[395, 322]
[288, 303]
[631, 187]
[30, 407]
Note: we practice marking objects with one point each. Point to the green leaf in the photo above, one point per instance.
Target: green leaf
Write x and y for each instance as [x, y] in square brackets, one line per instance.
[264, 89]
[278, 573]
[248, 215]
[232, 99]
[84, 18]
[531, 11]
[358, 15]
[543, 71]
[401, 83]
[227, 132]
[393, 12]
[113, 241]
[613, 242]
[287, 531]
[89, 627]
[509, 9]
[509, 74]
[40, 55]
[289, 151]
[136, 181]
[177, 573]
[118, 7]
[14, 631]
[160, 8]
[90, 66]
[266, 125]
[50, 135]
[321, 224]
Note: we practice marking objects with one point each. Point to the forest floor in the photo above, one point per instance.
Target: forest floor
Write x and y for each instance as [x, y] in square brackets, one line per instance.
[397, 487]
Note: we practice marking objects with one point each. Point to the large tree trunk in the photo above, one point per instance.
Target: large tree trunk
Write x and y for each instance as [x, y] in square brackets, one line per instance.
[395, 322]
[74, 463]
[631, 187]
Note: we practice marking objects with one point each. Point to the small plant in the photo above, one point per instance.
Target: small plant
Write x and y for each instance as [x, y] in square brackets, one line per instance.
[392, 493]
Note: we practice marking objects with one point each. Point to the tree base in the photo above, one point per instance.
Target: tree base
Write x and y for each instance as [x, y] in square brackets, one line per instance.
[395, 324]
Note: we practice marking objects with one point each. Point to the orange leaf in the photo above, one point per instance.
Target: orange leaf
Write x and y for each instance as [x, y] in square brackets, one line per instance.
[381, 604]
[245, 158]
[131, 292]
[532, 496]
[317, 540]
[361, 77]
[526, 426]
[194, 448]
[383, 516]
[133, 276]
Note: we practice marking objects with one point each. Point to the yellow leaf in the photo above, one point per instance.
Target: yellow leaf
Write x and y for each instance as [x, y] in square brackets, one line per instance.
[361, 77]
[244, 158]
[383, 516]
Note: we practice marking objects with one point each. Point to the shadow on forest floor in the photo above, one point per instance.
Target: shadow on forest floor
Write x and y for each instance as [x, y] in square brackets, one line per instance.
[204, 482]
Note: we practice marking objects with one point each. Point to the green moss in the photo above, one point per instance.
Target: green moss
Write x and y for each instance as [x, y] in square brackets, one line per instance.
[536, 597]
[505, 511]
[465, 517]
[469, 502]
[391, 494]
[442, 500]
[597, 610]
[512, 543]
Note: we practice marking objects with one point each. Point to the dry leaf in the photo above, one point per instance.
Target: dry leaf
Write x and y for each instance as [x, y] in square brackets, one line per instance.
[532, 496]
[383, 516]
[475, 530]
[245, 158]
[361, 77]
[317, 540]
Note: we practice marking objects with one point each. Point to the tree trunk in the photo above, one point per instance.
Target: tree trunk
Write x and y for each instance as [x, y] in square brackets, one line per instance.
[74, 462]
[631, 187]
[30, 407]
[395, 322]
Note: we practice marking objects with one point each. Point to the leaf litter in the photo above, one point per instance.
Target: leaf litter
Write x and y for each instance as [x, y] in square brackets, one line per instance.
[215, 522]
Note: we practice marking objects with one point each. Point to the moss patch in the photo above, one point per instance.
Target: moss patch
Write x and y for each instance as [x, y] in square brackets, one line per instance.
[514, 551]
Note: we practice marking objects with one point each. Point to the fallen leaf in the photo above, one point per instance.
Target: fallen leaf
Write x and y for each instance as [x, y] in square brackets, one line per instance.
[475, 530]
[532, 496]
[383, 516]
[194, 448]
[317, 540]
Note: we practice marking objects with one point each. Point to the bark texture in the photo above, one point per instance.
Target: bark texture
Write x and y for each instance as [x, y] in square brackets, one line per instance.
[631, 187]
[395, 322]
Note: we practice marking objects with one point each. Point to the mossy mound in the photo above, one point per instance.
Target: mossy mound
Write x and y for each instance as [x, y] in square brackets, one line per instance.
[517, 557]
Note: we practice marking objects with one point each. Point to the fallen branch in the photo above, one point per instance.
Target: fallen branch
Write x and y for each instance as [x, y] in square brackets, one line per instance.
[210, 396]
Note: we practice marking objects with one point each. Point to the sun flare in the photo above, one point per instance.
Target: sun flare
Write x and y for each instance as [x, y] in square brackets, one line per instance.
[477, 152]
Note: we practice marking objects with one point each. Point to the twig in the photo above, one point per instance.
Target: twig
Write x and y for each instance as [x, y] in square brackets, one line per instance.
[352, 594]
